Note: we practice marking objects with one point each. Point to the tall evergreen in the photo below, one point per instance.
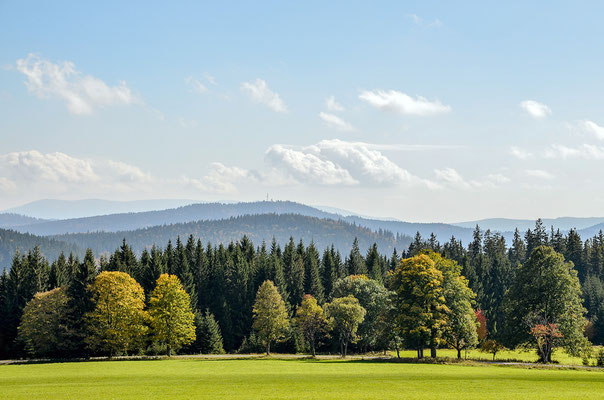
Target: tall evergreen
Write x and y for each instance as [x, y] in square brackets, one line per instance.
[355, 264]
[183, 272]
[79, 304]
[312, 281]
[373, 263]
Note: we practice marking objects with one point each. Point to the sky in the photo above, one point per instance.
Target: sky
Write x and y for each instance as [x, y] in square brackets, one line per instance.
[421, 111]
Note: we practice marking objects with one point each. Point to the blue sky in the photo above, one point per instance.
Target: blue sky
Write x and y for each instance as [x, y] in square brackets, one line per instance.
[427, 111]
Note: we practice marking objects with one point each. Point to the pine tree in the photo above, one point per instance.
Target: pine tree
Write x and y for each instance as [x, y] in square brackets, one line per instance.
[209, 338]
[313, 284]
[355, 264]
[183, 272]
[373, 262]
[79, 304]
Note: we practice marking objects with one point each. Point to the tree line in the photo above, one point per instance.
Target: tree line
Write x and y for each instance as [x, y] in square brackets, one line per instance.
[429, 296]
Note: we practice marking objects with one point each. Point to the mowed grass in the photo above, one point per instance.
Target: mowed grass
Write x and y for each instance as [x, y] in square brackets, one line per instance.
[291, 379]
[559, 356]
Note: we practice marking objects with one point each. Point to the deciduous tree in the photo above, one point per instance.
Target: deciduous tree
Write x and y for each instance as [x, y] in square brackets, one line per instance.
[345, 314]
[172, 320]
[311, 321]
[270, 315]
[117, 321]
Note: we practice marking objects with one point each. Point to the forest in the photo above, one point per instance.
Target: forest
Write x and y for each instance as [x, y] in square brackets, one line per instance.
[542, 290]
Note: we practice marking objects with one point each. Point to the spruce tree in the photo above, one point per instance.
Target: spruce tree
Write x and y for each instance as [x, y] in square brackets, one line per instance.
[79, 304]
[355, 264]
[209, 338]
[313, 284]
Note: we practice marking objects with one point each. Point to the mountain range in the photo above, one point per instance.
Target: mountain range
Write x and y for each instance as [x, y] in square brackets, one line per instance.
[223, 222]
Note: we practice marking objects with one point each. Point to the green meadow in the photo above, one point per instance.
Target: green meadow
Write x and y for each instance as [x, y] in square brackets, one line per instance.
[291, 379]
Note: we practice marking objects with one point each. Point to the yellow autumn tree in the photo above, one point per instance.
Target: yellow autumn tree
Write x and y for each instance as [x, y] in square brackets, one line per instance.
[117, 322]
[172, 320]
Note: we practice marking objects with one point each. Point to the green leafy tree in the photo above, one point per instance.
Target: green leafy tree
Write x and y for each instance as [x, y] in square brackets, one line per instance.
[172, 320]
[41, 329]
[271, 322]
[547, 292]
[492, 346]
[372, 296]
[460, 329]
[117, 321]
[311, 321]
[419, 301]
[345, 315]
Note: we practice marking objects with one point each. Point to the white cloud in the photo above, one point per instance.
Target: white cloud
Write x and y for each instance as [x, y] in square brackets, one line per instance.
[33, 170]
[210, 79]
[332, 162]
[54, 167]
[220, 179]
[535, 109]
[419, 21]
[585, 151]
[539, 174]
[308, 167]
[520, 153]
[186, 123]
[497, 179]
[195, 85]
[6, 185]
[333, 105]
[128, 173]
[335, 122]
[259, 92]
[454, 179]
[593, 129]
[82, 93]
[402, 103]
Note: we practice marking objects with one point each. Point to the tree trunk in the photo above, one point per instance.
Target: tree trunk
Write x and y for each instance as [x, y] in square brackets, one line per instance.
[169, 351]
[458, 353]
[268, 348]
[345, 348]
[312, 348]
[398, 354]
[433, 343]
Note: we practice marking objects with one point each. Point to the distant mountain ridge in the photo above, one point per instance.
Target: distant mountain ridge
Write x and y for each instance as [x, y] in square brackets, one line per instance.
[324, 232]
[66, 209]
[217, 211]
[509, 225]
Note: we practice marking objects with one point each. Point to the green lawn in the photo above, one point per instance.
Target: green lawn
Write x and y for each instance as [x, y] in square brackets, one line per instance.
[291, 379]
[559, 356]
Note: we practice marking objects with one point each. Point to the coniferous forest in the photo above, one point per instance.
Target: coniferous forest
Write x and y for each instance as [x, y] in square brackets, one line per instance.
[430, 295]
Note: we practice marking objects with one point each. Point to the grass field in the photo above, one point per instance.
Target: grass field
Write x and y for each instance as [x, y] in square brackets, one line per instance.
[291, 379]
[559, 356]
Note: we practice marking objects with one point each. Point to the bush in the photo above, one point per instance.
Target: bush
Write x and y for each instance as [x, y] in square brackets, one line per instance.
[600, 358]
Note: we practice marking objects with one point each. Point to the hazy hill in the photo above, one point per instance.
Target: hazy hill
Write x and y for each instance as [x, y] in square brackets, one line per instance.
[324, 232]
[11, 220]
[64, 209]
[216, 211]
[11, 241]
[508, 225]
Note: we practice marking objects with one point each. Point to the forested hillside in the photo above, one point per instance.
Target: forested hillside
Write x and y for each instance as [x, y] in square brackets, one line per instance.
[11, 241]
[11, 220]
[218, 211]
[324, 232]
